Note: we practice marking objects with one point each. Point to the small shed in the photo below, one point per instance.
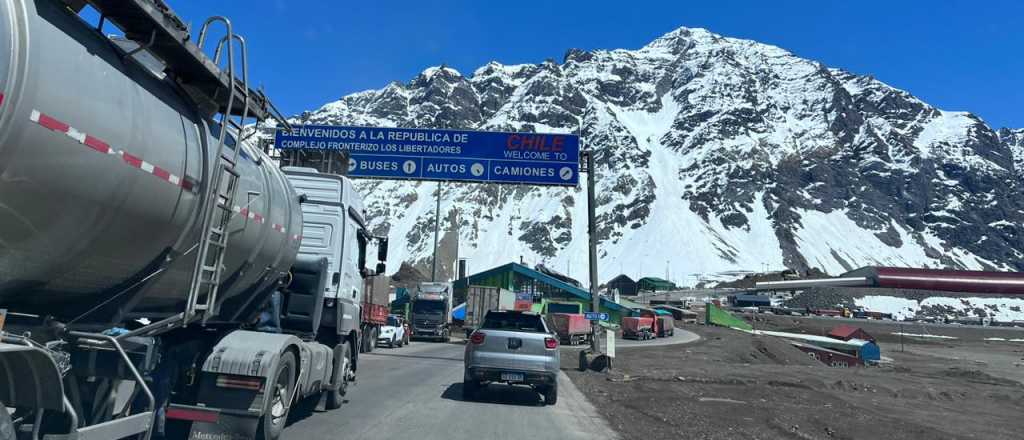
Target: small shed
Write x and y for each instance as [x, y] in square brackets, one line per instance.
[653, 284]
[846, 332]
[624, 284]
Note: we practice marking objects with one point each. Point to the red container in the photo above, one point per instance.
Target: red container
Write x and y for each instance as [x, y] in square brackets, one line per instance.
[567, 324]
[375, 313]
[637, 327]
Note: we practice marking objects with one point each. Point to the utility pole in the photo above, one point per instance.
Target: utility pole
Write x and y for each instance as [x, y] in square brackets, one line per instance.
[592, 234]
[437, 227]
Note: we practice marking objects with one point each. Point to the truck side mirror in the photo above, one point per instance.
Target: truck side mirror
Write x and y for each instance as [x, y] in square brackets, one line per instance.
[380, 268]
[303, 198]
[336, 278]
[382, 251]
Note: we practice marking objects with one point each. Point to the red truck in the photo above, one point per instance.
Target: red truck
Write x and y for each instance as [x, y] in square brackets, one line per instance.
[571, 328]
[374, 314]
[639, 327]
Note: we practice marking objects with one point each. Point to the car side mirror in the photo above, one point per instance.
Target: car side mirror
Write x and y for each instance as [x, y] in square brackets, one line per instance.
[380, 268]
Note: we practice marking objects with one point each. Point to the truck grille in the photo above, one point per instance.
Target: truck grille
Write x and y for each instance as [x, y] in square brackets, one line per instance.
[426, 323]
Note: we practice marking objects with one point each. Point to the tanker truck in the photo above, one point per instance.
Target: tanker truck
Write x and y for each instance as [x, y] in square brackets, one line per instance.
[157, 275]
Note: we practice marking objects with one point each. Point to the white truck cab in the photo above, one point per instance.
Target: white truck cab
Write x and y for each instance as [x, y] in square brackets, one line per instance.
[332, 255]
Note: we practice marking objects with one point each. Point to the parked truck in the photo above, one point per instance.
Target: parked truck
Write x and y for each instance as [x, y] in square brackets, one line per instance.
[431, 311]
[160, 276]
[638, 327]
[480, 300]
[571, 328]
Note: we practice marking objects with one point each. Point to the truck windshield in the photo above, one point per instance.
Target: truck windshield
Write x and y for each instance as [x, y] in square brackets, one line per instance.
[428, 307]
[519, 322]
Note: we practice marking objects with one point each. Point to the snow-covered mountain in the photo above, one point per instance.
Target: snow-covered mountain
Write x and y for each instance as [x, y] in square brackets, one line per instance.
[713, 154]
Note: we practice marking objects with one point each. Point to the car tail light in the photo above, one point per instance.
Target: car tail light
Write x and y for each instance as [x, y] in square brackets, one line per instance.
[477, 338]
[550, 343]
[240, 382]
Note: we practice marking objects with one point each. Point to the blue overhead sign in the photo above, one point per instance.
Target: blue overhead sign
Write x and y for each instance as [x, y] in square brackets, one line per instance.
[428, 154]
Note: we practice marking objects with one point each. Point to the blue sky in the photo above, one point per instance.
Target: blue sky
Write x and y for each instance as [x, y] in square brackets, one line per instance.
[958, 55]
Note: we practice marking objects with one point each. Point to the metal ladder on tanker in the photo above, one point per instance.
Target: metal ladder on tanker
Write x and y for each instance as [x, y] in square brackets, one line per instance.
[218, 197]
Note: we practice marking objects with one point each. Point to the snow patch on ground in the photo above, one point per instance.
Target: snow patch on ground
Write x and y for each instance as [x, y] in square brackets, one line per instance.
[828, 240]
[920, 335]
[999, 309]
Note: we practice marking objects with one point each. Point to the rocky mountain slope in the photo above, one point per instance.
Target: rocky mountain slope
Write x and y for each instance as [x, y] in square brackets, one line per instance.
[713, 154]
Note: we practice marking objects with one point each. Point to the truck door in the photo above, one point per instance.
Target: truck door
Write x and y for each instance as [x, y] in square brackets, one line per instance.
[322, 229]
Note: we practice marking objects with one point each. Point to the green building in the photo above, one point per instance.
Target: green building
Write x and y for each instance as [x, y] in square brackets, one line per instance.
[541, 287]
[653, 284]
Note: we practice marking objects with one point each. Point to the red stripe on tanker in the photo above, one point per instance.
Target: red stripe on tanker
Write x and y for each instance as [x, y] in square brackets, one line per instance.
[100, 146]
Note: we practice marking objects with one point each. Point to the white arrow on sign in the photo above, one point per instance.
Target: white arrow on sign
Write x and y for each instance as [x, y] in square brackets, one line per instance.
[565, 173]
[409, 167]
[477, 169]
[352, 164]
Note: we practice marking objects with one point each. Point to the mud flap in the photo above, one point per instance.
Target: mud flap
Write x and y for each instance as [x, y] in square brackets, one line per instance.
[227, 426]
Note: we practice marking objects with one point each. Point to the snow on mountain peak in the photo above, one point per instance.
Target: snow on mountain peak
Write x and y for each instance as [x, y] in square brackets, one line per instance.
[714, 154]
[429, 72]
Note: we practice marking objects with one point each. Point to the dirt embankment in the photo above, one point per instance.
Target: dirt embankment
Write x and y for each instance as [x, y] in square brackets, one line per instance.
[732, 385]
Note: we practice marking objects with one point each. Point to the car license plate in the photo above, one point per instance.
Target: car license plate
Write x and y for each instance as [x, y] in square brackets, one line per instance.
[512, 377]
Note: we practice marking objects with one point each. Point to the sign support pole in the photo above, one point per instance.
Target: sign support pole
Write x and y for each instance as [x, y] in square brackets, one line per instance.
[437, 227]
[595, 296]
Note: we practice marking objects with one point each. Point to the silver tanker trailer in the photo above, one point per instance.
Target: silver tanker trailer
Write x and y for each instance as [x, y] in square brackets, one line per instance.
[149, 279]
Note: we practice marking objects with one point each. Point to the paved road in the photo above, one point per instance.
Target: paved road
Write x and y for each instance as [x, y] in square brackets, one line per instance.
[681, 337]
[415, 392]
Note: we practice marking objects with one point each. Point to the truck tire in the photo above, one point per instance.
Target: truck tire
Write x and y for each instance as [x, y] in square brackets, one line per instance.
[551, 394]
[372, 339]
[276, 407]
[6, 424]
[342, 368]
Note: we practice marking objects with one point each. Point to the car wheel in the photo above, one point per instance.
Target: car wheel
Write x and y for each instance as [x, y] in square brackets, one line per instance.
[277, 405]
[551, 394]
[391, 343]
[470, 389]
[342, 369]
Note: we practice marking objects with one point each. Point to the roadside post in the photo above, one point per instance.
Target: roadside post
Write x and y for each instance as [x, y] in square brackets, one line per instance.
[592, 235]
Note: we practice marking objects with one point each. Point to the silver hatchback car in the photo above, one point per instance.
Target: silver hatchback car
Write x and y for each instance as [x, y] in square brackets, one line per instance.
[515, 348]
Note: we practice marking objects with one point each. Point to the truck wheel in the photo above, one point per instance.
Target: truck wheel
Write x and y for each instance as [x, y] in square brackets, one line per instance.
[275, 409]
[6, 425]
[372, 339]
[342, 369]
[551, 394]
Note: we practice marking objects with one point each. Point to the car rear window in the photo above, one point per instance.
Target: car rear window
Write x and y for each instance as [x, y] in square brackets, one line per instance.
[513, 321]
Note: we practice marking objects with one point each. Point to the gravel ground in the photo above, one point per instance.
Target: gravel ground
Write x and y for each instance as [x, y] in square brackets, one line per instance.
[730, 385]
